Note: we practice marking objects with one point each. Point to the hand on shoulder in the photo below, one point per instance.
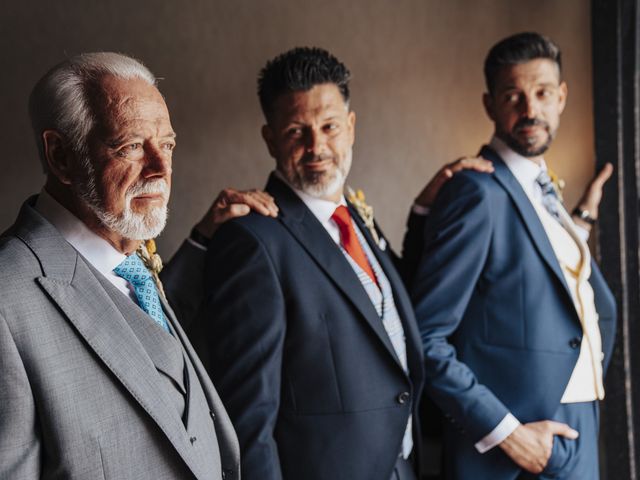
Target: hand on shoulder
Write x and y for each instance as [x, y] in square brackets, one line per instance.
[231, 203]
[428, 195]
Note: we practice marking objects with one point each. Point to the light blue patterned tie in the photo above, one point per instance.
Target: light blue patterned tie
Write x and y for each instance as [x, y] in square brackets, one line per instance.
[133, 270]
[550, 198]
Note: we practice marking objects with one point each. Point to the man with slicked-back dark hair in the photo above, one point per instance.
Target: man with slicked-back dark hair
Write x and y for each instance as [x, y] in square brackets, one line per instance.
[516, 320]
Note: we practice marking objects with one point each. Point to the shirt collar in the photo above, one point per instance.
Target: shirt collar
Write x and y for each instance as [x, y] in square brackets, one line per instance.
[525, 170]
[321, 209]
[95, 249]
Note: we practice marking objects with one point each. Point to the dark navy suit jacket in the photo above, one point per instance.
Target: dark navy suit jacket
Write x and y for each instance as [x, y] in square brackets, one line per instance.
[298, 353]
[499, 328]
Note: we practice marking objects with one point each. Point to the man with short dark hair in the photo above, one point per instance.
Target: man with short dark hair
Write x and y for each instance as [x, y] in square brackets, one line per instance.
[516, 320]
[308, 332]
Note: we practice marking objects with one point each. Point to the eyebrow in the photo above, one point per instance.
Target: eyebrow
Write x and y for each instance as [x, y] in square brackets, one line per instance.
[542, 84]
[324, 119]
[123, 139]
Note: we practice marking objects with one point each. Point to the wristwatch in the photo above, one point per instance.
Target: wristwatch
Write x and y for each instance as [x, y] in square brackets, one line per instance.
[583, 215]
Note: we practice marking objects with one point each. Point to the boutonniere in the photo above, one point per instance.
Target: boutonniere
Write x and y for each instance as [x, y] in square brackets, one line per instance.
[148, 253]
[356, 198]
[558, 183]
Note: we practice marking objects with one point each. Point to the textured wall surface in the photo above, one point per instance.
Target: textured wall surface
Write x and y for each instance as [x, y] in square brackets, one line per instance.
[417, 85]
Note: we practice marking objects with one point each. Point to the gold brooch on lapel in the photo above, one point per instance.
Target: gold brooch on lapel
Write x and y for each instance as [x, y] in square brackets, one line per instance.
[558, 183]
[356, 198]
[148, 253]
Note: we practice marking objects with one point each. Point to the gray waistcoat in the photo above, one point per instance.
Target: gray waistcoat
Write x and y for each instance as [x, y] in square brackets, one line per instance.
[176, 377]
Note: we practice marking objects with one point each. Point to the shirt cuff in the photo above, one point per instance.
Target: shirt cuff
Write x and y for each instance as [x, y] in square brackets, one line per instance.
[583, 233]
[505, 428]
[196, 244]
[420, 210]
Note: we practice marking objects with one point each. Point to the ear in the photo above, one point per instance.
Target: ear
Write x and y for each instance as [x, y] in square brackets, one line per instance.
[563, 92]
[60, 159]
[487, 101]
[351, 119]
[267, 136]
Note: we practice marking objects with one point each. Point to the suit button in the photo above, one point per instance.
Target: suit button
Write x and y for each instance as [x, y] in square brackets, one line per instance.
[403, 398]
[193, 440]
[575, 342]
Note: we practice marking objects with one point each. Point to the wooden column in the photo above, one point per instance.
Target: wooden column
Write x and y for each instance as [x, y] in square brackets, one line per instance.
[615, 34]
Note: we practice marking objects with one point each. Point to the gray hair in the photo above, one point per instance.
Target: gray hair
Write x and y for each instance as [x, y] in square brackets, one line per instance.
[60, 99]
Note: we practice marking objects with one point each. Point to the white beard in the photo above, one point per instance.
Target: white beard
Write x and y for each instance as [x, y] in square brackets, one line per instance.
[129, 224]
[137, 226]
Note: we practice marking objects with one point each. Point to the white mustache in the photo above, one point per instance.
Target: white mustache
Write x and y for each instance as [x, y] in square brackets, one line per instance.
[151, 187]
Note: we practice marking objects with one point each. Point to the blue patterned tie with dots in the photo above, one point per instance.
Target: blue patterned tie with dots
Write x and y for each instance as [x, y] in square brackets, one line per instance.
[133, 270]
[550, 198]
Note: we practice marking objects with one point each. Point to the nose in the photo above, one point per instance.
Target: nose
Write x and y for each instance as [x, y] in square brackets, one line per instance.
[314, 142]
[529, 107]
[157, 161]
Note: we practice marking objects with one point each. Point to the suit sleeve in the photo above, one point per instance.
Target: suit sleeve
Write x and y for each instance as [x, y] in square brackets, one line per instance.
[183, 280]
[457, 237]
[412, 245]
[244, 327]
[20, 445]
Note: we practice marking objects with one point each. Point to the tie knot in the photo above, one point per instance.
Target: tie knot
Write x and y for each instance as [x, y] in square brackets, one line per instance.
[544, 180]
[133, 270]
[341, 216]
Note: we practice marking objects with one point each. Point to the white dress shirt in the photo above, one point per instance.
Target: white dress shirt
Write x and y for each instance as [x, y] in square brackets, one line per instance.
[96, 250]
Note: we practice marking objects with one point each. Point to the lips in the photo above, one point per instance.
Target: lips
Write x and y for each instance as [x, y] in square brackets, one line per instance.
[529, 130]
[529, 125]
[150, 195]
[317, 165]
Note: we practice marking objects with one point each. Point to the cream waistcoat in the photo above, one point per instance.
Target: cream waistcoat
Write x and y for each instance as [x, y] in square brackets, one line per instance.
[573, 255]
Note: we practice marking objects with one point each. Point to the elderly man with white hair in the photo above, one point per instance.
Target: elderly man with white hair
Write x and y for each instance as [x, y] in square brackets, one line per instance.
[97, 379]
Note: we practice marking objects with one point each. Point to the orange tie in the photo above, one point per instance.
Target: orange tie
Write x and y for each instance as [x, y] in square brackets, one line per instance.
[350, 242]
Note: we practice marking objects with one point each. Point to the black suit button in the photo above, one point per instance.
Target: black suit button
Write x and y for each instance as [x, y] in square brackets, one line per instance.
[575, 342]
[403, 398]
[193, 440]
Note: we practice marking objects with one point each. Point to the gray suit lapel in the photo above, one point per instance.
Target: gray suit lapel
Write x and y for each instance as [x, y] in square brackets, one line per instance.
[71, 284]
[162, 348]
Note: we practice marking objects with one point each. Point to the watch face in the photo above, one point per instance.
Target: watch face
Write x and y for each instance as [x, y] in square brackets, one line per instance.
[584, 215]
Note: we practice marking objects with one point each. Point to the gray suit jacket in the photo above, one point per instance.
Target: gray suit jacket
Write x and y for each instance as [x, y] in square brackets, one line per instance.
[79, 396]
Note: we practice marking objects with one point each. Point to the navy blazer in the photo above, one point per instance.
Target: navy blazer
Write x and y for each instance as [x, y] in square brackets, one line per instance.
[298, 353]
[498, 325]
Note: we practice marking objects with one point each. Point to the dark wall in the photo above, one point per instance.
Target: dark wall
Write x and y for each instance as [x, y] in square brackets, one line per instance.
[417, 85]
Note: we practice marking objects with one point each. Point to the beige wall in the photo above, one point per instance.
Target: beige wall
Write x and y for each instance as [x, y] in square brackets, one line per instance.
[417, 85]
